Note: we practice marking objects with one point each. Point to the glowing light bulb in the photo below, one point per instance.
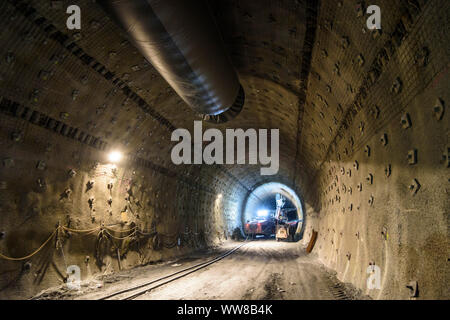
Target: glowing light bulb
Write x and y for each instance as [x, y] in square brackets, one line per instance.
[115, 156]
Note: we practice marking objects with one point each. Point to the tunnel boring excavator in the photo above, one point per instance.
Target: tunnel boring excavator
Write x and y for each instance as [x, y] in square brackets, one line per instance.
[285, 220]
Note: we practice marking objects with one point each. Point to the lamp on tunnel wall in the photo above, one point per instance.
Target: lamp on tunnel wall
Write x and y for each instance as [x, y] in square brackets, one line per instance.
[218, 199]
[114, 156]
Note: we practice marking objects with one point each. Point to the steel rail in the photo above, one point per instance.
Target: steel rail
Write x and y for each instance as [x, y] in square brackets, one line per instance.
[169, 278]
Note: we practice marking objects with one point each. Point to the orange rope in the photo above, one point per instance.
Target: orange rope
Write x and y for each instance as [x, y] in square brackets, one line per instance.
[87, 231]
[121, 238]
[110, 229]
[81, 231]
[31, 254]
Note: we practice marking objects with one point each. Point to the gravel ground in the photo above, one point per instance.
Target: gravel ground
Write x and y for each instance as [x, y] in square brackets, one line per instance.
[262, 269]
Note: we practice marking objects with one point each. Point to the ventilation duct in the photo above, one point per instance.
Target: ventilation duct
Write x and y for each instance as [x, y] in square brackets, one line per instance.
[181, 40]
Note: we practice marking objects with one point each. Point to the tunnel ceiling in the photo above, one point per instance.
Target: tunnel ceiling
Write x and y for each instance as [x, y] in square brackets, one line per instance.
[361, 113]
[308, 88]
[266, 43]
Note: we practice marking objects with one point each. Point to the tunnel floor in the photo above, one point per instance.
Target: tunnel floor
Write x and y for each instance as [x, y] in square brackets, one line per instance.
[260, 269]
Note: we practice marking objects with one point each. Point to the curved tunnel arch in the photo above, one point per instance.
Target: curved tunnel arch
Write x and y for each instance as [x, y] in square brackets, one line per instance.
[267, 189]
[363, 125]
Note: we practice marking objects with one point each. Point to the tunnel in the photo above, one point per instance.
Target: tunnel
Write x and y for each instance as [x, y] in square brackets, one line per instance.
[140, 139]
[262, 203]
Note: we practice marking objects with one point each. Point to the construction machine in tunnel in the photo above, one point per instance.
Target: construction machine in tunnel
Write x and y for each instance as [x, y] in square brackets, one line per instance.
[90, 194]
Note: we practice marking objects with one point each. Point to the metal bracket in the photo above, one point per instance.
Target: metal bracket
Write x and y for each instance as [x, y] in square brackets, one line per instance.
[371, 199]
[375, 112]
[41, 165]
[367, 150]
[369, 178]
[388, 171]
[438, 109]
[384, 139]
[406, 121]
[413, 286]
[412, 156]
[397, 86]
[414, 186]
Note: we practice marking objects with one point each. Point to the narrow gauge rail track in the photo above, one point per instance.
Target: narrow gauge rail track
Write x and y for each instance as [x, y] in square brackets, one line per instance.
[142, 289]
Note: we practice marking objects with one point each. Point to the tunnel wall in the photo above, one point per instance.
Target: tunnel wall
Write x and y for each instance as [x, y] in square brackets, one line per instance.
[33, 203]
[69, 97]
[63, 108]
[173, 214]
[384, 184]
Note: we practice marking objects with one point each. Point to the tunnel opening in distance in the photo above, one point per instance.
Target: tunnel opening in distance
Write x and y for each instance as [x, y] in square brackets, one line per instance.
[273, 211]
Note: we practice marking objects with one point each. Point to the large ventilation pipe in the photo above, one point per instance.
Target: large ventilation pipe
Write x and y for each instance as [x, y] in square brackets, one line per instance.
[181, 40]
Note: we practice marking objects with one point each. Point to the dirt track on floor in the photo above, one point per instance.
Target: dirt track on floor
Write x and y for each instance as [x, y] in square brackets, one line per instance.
[263, 269]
